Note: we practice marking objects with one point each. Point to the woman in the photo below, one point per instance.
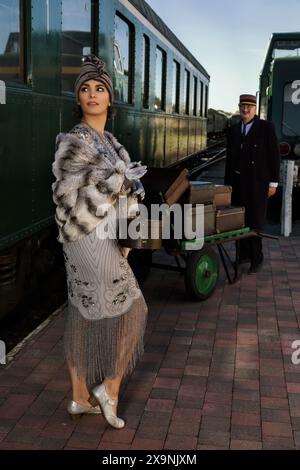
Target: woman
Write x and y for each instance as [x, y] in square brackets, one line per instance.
[107, 312]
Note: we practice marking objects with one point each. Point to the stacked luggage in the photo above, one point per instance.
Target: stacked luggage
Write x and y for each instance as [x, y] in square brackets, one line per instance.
[219, 214]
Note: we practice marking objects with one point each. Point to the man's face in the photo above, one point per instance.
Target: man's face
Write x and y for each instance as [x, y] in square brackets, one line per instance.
[247, 112]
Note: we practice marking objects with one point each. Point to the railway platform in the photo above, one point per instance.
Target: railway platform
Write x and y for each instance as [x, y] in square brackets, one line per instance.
[215, 375]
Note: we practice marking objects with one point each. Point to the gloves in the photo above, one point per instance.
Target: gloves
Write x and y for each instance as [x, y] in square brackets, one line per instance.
[134, 172]
[138, 190]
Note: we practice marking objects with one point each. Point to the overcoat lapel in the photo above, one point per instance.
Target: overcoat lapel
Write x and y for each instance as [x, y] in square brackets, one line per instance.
[252, 134]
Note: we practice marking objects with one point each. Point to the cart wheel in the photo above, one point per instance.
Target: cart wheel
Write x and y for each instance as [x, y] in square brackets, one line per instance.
[201, 273]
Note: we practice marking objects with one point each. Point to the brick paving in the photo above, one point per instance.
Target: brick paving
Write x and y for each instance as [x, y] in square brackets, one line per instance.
[215, 375]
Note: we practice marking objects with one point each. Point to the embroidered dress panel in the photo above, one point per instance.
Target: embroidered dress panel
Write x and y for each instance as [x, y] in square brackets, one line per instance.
[101, 283]
[106, 315]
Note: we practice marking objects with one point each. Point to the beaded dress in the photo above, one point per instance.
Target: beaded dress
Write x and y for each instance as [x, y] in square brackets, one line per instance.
[106, 314]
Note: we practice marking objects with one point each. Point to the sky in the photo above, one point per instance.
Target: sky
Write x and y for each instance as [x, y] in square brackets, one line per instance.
[229, 38]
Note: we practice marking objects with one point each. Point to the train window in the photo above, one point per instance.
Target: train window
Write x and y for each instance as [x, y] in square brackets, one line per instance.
[11, 47]
[206, 100]
[176, 87]
[201, 98]
[118, 62]
[195, 96]
[76, 38]
[160, 79]
[123, 59]
[145, 71]
[291, 109]
[187, 91]
[286, 48]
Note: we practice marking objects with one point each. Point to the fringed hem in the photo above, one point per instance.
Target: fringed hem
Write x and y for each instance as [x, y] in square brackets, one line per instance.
[108, 347]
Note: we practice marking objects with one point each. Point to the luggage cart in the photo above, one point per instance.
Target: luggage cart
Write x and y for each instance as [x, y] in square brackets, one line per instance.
[201, 266]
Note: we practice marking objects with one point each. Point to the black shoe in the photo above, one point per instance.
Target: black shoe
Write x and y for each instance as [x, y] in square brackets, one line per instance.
[255, 268]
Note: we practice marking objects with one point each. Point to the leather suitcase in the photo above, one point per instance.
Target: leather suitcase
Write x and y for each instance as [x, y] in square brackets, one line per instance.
[222, 196]
[209, 218]
[156, 181]
[199, 192]
[230, 218]
[177, 188]
[150, 235]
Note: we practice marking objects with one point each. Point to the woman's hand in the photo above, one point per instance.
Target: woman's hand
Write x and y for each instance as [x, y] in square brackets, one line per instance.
[135, 171]
[138, 190]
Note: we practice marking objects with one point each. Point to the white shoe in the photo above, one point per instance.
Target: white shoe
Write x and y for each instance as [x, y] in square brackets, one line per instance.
[76, 410]
[106, 403]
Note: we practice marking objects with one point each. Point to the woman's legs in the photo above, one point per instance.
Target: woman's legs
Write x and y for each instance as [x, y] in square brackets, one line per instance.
[113, 386]
[80, 391]
[127, 346]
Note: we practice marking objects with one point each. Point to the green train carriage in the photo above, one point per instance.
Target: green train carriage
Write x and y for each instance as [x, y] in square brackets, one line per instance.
[280, 90]
[161, 106]
[279, 102]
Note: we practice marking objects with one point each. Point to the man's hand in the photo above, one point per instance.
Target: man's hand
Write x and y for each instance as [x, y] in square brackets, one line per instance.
[271, 191]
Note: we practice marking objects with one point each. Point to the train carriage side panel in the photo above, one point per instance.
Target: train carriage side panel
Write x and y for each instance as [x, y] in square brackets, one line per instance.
[16, 167]
[198, 140]
[46, 46]
[192, 136]
[183, 137]
[158, 132]
[25, 122]
[172, 139]
[284, 106]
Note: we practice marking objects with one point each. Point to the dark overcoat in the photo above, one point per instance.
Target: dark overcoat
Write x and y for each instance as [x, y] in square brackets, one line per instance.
[252, 163]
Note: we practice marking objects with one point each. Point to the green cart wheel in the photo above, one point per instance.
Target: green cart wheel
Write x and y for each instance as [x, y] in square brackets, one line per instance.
[201, 273]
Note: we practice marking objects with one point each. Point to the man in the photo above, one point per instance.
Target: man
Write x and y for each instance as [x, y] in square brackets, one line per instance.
[252, 169]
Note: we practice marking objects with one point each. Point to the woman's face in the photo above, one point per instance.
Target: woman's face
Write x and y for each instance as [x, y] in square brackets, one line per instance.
[94, 98]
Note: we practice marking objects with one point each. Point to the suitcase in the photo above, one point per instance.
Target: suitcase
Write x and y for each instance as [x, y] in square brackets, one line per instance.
[230, 218]
[149, 235]
[156, 181]
[209, 218]
[199, 192]
[177, 188]
[222, 196]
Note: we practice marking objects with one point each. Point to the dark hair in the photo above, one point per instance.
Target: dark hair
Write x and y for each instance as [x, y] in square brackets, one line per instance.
[78, 112]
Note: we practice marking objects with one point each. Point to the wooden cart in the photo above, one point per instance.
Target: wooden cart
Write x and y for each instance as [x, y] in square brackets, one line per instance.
[201, 266]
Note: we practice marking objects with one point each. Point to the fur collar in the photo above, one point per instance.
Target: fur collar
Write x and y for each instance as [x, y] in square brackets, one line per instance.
[87, 176]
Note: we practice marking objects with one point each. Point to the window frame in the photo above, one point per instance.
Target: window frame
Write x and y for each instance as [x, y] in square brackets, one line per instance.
[201, 98]
[176, 105]
[187, 91]
[23, 81]
[93, 36]
[206, 101]
[131, 62]
[146, 72]
[163, 77]
[195, 97]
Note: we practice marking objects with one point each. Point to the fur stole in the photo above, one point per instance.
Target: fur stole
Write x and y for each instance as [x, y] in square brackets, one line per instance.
[87, 176]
